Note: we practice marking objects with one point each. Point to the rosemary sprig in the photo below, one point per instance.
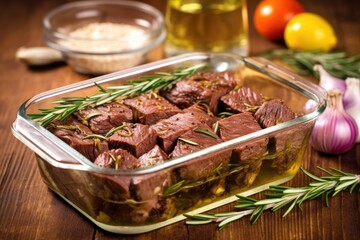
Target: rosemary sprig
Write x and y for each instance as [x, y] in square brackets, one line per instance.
[67, 106]
[337, 64]
[280, 196]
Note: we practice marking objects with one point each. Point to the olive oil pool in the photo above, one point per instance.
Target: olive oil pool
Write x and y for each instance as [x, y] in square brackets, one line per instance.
[206, 25]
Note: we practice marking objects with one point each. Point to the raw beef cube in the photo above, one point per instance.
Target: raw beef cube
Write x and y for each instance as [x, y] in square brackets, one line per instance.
[102, 118]
[149, 188]
[168, 130]
[247, 157]
[203, 113]
[202, 86]
[134, 137]
[193, 140]
[143, 192]
[152, 157]
[148, 108]
[78, 136]
[243, 99]
[239, 125]
[285, 145]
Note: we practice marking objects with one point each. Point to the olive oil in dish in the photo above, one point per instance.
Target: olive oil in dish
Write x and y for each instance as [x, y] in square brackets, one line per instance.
[211, 25]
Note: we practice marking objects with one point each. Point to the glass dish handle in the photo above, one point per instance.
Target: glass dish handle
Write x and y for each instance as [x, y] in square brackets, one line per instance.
[47, 146]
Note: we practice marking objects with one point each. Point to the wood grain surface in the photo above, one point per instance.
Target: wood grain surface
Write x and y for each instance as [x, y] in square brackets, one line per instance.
[29, 210]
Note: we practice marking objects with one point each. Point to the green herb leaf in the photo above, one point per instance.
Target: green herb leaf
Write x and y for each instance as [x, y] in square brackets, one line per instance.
[206, 132]
[174, 188]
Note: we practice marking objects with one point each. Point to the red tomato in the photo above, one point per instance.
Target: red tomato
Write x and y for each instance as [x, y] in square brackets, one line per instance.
[271, 17]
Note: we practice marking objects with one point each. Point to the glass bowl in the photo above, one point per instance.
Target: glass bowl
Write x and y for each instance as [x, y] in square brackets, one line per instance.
[140, 200]
[98, 37]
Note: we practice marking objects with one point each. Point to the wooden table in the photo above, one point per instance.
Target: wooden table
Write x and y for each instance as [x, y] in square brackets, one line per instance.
[29, 210]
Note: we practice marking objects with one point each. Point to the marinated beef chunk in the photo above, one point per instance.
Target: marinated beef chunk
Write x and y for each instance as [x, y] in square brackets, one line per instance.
[77, 135]
[149, 188]
[134, 137]
[273, 112]
[148, 108]
[209, 86]
[152, 157]
[203, 113]
[143, 193]
[117, 159]
[113, 190]
[285, 145]
[247, 157]
[168, 130]
[102, 118]
[239, 125]
[243, 99]
[194, 140]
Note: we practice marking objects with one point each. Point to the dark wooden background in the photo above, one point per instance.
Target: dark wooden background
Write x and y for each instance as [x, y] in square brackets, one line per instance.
[28, 210]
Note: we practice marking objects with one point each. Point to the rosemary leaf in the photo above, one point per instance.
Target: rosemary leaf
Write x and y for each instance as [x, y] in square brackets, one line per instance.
[174, 188]
[244, 198]
[95, 136]
[327, 198]
[200, 216]
[227, 214]
[268, 201]
[225, 114]
[230, 219]
[344, 185]
[198, 222]
[244, 205]
[313, 176]
[188, 141]
[291, 207]
[257, 213]
[206, 132]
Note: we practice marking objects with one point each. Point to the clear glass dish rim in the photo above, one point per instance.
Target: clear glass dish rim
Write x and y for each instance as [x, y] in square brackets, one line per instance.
[156, 33]
[317, 93]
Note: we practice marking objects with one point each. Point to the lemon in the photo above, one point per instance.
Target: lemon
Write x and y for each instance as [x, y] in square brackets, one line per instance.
[308, 31]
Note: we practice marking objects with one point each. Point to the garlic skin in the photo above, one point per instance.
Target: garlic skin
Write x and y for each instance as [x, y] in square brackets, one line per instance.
[39, 56]
[352, 101]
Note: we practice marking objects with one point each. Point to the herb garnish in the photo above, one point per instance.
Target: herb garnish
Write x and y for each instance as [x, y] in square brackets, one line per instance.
[216, 127]
[174, 188]
[161, 80]
[225, 114]
[206, 132]
[338, 64]
[114, 129]
[95, 136]
[188, 141]
[281, 196]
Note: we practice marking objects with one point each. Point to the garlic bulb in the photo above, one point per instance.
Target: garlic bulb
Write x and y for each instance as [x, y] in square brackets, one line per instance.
[329, 82]
[335, 131]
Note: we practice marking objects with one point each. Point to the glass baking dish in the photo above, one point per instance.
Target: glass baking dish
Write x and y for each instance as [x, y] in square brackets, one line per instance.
[98, 193]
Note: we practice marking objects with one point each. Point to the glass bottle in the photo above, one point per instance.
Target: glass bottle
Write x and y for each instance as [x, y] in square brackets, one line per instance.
[206, 25]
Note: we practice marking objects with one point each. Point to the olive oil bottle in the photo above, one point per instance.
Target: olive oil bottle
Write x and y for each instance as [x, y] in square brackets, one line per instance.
[206, 25]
